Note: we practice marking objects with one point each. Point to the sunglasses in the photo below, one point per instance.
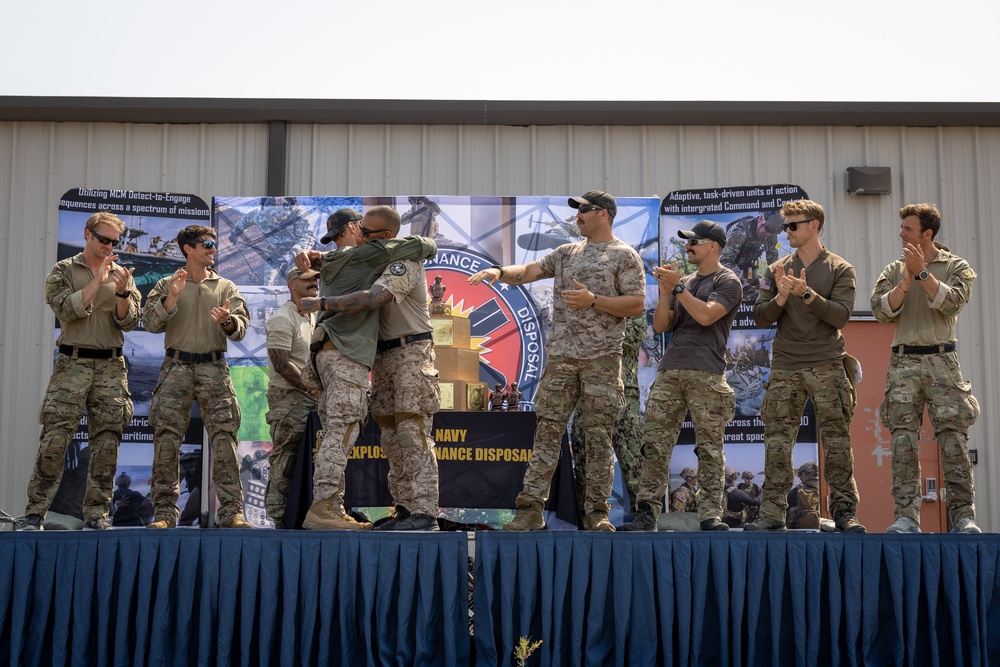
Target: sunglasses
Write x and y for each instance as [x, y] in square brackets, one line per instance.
[367, 232]
[694, 242]
[104, 240]
[588, 209]
[795, 225]
[207, 245]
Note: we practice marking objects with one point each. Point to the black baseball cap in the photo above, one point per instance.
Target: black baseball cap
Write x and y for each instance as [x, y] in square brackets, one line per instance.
[596, 198]
[337, 221]
[705, 229]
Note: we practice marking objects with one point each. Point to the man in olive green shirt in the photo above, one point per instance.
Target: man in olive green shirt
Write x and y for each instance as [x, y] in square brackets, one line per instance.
[96, 300]
[810, 295]
[199, 311]
[922, 293]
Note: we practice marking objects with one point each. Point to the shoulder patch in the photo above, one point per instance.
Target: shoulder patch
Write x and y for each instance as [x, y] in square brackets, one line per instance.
[397, 269]
[968, 274]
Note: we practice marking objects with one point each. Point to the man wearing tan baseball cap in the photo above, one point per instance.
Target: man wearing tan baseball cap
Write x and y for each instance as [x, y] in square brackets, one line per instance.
[290, 395]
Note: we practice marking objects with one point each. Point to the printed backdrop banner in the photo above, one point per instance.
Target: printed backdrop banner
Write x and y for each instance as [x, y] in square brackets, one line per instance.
[752, 220]
[259, 236]
[152, 220]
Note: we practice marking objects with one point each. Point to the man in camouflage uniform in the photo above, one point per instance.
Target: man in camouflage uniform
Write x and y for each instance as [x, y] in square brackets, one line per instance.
[126, 504]
[290, 396]
[349, 328]
[803, 499]
[627, 437]
[600, 283]
[95, 300]
[746, 238]
[753, 490]
[421, 217]
[810, 295]
[278, 230]
[737, 503]
[923, 292]
[699, 309]
[685, 497]
[198, 310]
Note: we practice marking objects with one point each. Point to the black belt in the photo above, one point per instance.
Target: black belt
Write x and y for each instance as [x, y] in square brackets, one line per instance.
[85, 353]
[385, 345]
[924, 349]
[196, 357]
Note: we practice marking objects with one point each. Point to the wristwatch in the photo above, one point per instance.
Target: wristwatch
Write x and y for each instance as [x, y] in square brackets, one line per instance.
[808, 294]
[923, 275]
[678, 288]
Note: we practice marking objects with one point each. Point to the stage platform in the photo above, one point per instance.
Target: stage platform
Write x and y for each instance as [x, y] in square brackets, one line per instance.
[225, 597]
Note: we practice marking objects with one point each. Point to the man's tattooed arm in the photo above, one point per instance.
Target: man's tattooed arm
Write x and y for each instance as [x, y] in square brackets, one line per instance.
[281, 360]
[359, 302]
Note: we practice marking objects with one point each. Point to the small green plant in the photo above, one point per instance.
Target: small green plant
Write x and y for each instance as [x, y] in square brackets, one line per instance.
[525, 647]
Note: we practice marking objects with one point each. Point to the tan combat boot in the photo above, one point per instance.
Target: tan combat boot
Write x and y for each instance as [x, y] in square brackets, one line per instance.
[163, 523]
[324, 516]
[235, 521]
[598, 521]
[528, 517]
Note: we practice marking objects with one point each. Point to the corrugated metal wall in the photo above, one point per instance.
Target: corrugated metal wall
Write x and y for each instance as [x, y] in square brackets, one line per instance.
[38, 163]
[958, 168]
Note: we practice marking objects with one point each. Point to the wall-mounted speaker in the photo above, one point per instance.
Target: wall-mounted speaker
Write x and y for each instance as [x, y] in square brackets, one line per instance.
[869, 180]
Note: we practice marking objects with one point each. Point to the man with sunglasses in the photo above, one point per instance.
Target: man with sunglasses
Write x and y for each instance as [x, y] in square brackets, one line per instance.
[96, 300]
[199, 311]
[810, 295]
[600, 282]
[923, 292]
[345, 351]
[699, 310]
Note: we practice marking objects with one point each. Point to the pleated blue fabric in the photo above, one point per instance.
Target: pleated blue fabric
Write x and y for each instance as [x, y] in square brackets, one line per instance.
[734, 600]
[221, 597]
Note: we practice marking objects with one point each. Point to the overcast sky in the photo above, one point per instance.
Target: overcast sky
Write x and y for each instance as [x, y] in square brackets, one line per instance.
[846, 50]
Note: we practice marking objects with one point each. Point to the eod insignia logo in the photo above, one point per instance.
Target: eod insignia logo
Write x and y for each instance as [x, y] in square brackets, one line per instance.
[503, 321]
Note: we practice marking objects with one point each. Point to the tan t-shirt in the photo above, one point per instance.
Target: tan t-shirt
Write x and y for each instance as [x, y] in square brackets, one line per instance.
[287, 330]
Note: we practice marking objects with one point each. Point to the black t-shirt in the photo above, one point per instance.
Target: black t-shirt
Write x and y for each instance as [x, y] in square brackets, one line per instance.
[694, 347]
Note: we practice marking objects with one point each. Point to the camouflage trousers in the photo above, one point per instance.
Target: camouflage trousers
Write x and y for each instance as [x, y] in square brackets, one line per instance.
[343, 408]
[712, 404]
[100, 386]
[936, 380]
[833, 398]
[288, 410]
[626, 441]
[179, 385]
[596, 385]
[405, 397]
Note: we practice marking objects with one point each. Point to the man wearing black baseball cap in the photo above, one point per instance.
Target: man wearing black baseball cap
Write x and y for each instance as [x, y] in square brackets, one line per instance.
[346, 341]
[338, 222]
[705, 229]
[596, 198]
[698, 309]
[600, 282]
